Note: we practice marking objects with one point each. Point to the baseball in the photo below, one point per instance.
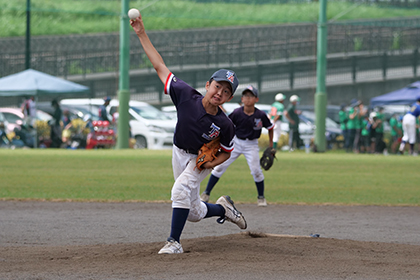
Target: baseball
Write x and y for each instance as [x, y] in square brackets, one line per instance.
[133, 13]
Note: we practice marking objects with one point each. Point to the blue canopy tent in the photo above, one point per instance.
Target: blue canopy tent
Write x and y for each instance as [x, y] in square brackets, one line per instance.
[404, 96]
[34, 83]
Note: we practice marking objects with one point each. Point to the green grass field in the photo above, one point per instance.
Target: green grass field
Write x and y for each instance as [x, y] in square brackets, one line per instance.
[145, 175]
[94, 16]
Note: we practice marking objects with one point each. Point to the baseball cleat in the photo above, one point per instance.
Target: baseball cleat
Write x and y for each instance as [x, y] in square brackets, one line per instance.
[171, 247]
[261, 201]
[231, 213]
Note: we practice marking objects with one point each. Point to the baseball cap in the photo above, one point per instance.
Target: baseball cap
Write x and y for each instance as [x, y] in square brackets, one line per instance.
[227, 76]
[253, 90]
[294, 98]
[107, 98]
[279, 97]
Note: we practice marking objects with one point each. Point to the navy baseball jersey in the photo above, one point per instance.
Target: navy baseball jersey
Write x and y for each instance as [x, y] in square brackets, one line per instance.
[415, 110]
[249, 127]
[195, 126]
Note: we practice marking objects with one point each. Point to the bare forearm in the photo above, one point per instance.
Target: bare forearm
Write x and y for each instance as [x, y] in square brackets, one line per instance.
[270, 137]
[221, 157]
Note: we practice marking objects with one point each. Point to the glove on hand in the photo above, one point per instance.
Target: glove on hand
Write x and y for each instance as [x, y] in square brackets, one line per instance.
[267, 158]
[207, 153]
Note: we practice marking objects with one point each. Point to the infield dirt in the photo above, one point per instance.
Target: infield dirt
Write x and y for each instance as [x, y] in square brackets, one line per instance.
[45, 240]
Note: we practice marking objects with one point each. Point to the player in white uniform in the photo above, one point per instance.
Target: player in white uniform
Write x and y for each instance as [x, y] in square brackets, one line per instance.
[249, 122]
[276, 115]
[200, 120]
[409, 127]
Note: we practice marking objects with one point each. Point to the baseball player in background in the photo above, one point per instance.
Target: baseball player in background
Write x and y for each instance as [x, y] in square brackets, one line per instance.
[292, 114]
[276, 116]
[409, 127]
[248, 121]
[200, 120]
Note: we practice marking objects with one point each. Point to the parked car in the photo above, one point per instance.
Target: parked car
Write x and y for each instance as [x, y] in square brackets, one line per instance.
[332, 111]
[16, 124]
[74, 110]
[16, 118]
[150, 128]
[5, 123]
[170, 111]
[333, 133]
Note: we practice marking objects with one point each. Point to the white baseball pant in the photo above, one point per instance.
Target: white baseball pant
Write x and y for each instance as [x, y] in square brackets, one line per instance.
[276, 131]
[409, 128]
[186, 189]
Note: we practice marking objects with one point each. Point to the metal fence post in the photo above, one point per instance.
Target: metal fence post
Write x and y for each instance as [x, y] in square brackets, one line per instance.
[240, 52]
[384, 65]
[415, 57]
[291, 74]
[354, 67]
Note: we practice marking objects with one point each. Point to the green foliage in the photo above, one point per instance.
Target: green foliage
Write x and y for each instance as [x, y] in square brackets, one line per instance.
[396, 41]
[358, 44]
[145, 175]
[95, 16]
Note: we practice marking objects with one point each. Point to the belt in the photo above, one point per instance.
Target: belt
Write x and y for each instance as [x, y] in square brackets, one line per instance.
[243, 138]
[191, 152]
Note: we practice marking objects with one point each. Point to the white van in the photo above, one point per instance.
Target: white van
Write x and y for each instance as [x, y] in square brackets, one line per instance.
[150, 128]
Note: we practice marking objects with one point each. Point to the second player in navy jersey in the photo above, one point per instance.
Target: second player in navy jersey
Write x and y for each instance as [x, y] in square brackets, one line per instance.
[248, 121]
[200, 120]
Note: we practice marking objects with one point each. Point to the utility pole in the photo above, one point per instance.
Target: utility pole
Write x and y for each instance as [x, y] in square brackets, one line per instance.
[124, 80]
[321, 67]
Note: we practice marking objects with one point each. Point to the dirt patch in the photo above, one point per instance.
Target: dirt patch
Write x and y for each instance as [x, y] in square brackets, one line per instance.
[235, 256]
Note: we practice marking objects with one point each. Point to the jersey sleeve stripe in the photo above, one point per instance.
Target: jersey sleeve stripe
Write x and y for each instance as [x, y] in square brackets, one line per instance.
[226, 149]
[270, 127]
[168, 83]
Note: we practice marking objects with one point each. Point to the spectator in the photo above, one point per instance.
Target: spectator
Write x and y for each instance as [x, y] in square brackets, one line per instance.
[380, 145]
[364, 135]
[55, 124]
[276, 116]
[374, 123]
[351, 125]
[29, 110]
[361, 112]
[292, 114]
[343, 117]
[396, 132]
[4, 140]
[66, 117]
[103, 114]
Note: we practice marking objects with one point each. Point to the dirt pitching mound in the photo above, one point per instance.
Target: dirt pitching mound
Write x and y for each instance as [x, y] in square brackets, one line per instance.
[249, 255]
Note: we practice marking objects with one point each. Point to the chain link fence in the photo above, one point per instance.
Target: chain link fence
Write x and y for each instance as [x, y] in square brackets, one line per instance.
[282, 53]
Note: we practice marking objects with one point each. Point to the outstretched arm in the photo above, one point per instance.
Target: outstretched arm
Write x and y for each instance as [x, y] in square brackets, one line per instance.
[149, 49]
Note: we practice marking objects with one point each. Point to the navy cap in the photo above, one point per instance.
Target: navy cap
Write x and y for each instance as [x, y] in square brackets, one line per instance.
[253, 90]
[107, 99]
[227, 76]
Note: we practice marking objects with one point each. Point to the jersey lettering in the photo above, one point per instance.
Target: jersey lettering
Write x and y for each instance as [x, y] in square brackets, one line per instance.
[213, 133]
[258, 124]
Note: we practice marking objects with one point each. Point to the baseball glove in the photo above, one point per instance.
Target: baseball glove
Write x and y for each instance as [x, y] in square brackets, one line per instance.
[267, 158]
[207, 153]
